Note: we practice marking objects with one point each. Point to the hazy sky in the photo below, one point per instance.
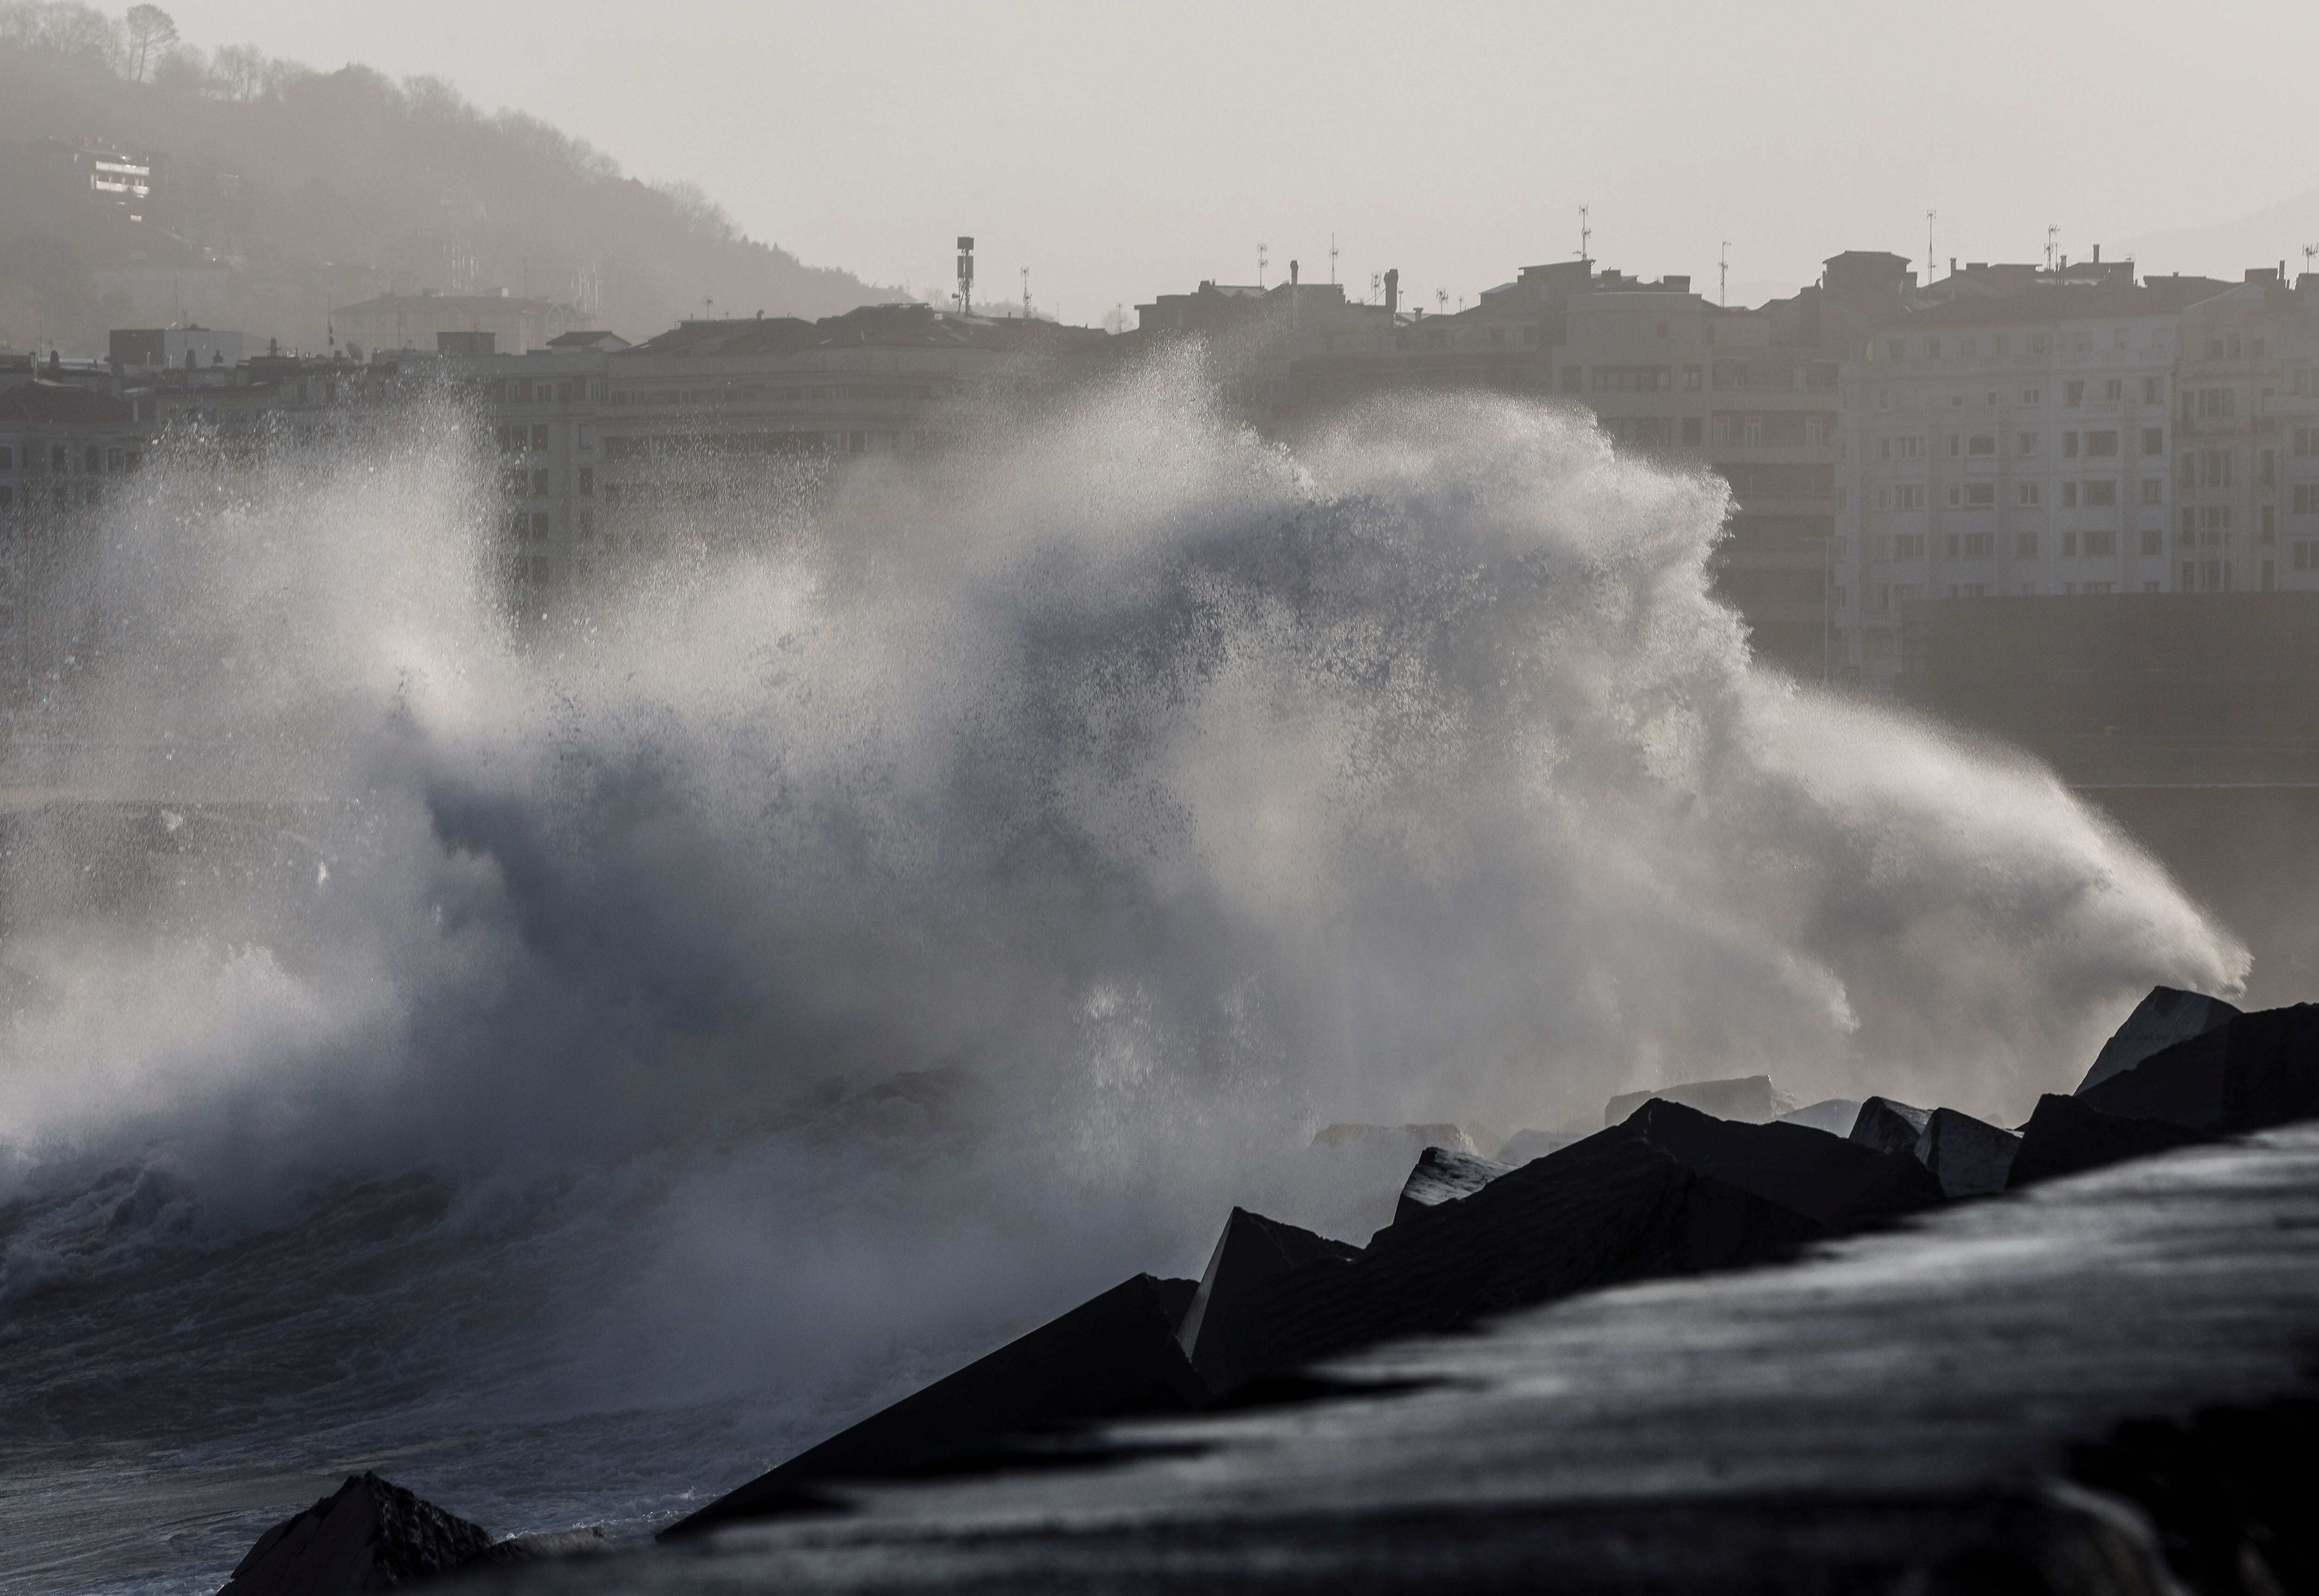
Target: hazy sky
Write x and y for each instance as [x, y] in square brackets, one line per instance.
[1121, 151]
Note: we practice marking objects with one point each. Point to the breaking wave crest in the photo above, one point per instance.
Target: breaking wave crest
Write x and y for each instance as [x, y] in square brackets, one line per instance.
[799, 962]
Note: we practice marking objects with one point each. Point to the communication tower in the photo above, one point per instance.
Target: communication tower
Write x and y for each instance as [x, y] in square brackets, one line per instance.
[965, 276]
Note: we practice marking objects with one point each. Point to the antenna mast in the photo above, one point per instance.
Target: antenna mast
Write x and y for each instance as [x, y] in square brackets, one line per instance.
[1723, 274]
[965, 276]
[1263, 257]
[1332, 256]
[1026, 293]
[2052, 238]
[1929, 217]
[1585, 234]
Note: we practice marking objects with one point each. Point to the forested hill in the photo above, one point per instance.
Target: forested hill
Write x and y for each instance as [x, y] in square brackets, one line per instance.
[280, 193]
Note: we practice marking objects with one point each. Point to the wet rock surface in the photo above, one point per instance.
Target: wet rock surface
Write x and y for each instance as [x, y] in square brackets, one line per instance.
[2036, 1393]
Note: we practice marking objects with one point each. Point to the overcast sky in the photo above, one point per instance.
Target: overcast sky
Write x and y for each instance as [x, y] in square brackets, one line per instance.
[1122, 152]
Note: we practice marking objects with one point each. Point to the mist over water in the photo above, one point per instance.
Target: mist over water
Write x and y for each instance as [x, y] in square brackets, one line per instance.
[632, 1040]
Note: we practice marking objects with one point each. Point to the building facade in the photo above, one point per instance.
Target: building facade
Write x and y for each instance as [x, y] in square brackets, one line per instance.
[2016, 443]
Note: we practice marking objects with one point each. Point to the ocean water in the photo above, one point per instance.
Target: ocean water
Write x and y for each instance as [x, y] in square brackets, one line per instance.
[570, 1059]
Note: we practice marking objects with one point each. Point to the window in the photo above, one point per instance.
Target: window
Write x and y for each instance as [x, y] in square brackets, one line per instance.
[1663, 329]
[2266, 532]
[2114, 389]
[2307, 499]
[2024, 443]
[1573, 379]
[1932, 349]
[1884, 448]
[1751, 431]
[2039, 342]
[2032, 397]
[2102, 495]
[2218, 468]
[2189, 533]
[540, 484]
[1956, 445]
[2153, 390]
[587, 481]
[2266, 468]
[1981, 545]
[95, 459]
[116, 459]
[2153, 492]
[2100, 543]
[2069, 446]
[539, 436]
[1980, 495]
[2102, 445]
[2154, 440]
[2069, 495]
[5, 458]
[1983, 444]
[2025, 494]
[2025, 545]
[540, 524]
[1908, 546]
[2069, 546]
[1690, 430]
[1908, 496]
[1692, 378]
[1893, 351]
[1723, 429]
[2153, 541]
[2307, 440]
[2306, 556]
[1912, 448]
[2073, 394]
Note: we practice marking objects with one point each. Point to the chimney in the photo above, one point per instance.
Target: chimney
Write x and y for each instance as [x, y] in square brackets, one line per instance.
[1292, 274]
[2098, 255]
[1392, 290]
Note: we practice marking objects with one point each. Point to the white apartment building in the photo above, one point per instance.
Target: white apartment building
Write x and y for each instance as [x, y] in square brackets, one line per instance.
[2006, 444]
[2247, 439]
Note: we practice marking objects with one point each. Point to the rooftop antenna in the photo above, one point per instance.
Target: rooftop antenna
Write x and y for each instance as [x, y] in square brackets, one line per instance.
[1723, 274]
[1585, 234]
[1263, 257]
[1930, 216]
[965, 276]
[1441, 297]
[1026, 293]
[1332, 256]
[2309, 250]
[1377, 286]
[2053, 240]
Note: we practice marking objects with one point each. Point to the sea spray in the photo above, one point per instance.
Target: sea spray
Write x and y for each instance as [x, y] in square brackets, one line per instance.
[756, 979]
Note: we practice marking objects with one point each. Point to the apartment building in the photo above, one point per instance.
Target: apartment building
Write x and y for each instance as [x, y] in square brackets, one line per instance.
[2007, 443]
[607, 448]
[2246, 405]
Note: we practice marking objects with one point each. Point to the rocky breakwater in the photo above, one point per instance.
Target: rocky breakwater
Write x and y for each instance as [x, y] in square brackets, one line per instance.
[1685, 1353]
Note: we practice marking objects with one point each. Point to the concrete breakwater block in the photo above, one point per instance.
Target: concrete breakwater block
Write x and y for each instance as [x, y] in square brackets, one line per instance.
[1114, 1355]
[1442, 1177]
[1970, 1157]
[1748, 1098]
[2252, 1072]
[1611, 1208]
[2068, 1136]
[1218, 1330]
[368, 1535]
[1891, 1126]
[2166, 1017]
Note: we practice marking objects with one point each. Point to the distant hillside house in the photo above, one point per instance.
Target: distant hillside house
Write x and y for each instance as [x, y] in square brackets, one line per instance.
[414, 320]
